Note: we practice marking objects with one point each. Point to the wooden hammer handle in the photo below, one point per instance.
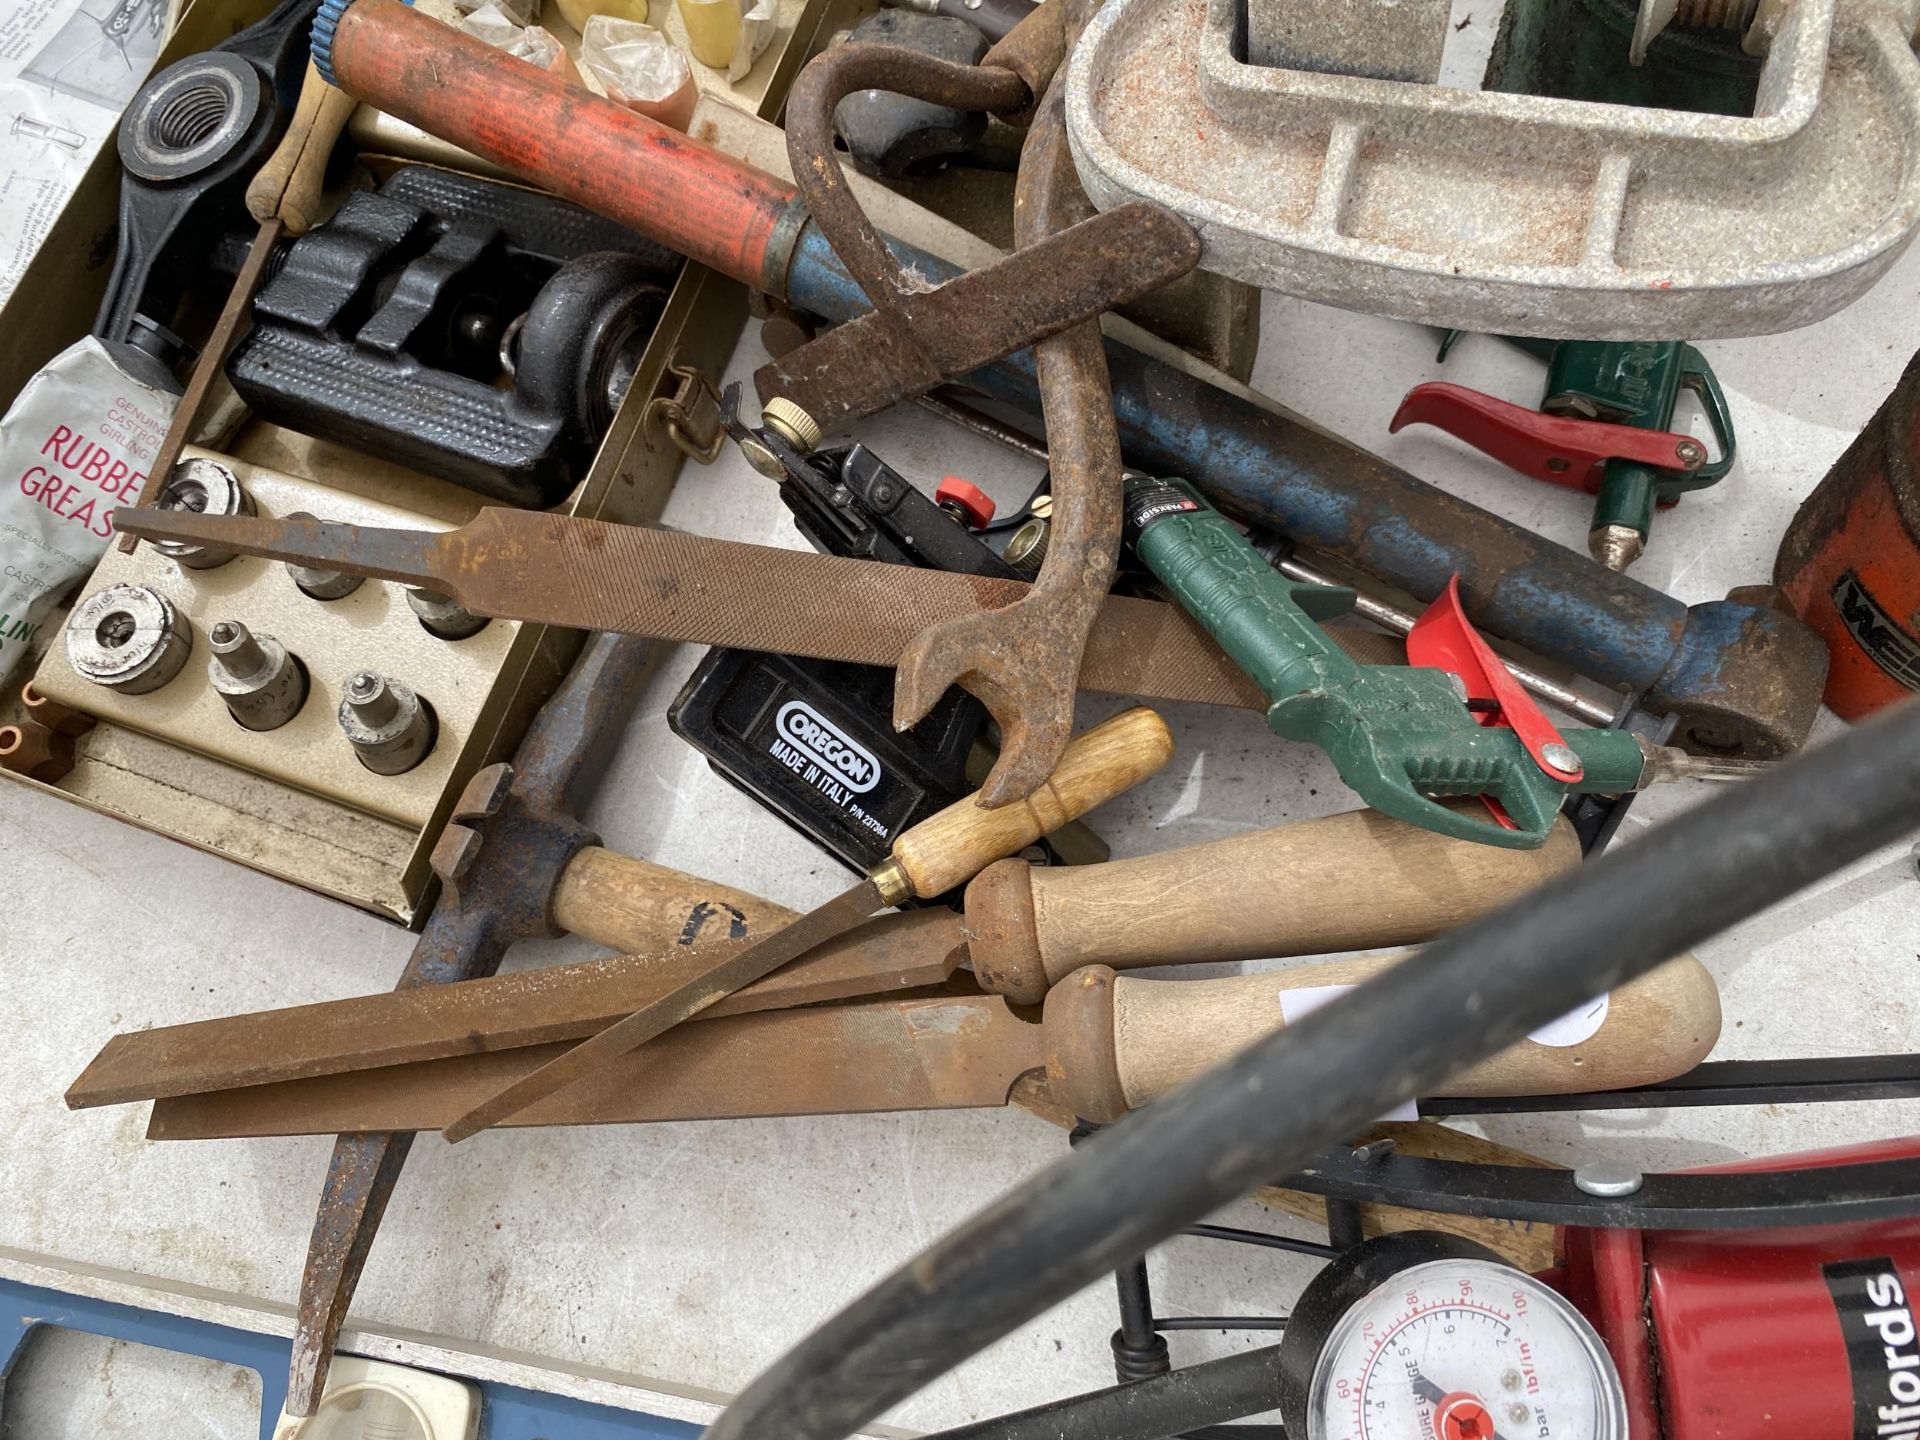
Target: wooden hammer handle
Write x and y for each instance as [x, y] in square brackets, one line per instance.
[950, 847]
[1115, 1043]
[636, 906]
[1356, 881]
[289, 184]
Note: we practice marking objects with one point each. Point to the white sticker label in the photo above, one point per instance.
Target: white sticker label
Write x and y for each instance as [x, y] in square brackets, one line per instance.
[1296, 1005]
[1573, 1028]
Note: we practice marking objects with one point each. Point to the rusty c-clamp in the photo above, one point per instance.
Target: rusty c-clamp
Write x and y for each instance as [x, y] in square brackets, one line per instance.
[1070, 265]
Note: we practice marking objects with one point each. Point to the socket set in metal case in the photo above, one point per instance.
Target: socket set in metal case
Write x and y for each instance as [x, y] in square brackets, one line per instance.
[370, 631]
[288, 793]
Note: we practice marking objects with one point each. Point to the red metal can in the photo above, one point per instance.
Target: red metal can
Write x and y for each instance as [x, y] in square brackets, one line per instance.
[1849, 564]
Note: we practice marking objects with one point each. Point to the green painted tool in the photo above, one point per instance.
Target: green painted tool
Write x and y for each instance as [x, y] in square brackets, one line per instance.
[1604, 426]
[1402, 736]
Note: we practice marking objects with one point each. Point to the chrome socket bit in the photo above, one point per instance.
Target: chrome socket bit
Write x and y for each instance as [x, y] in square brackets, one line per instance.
[390, 728]
[443, 615]
[263, 685]
[321, 584]
[129, 638]
[205, 487]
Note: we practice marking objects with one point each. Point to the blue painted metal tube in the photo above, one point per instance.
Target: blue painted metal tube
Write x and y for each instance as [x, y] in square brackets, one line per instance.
[1740, 676]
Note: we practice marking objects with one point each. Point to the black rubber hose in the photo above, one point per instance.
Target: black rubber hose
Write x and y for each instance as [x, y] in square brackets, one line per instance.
[1247, 1383]
[1272, 1108]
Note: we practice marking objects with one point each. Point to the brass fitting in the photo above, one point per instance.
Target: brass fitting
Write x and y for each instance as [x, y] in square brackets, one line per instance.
[790, 423]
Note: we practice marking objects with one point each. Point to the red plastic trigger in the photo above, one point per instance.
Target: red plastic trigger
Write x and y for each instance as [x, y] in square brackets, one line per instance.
[1444, 638]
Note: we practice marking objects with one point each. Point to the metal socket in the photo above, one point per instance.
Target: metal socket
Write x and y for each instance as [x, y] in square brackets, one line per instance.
[205, 487]
[321, 584]
[263, 685]
[390, 728]
[443, 615]
[129, 638]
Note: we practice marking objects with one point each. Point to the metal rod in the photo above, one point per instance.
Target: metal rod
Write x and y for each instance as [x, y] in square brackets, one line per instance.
[1138, 1350]
[1177, 1403]
[1392, 617]
[1402, 1034]
[981, 423]
[1344, 1230]
[1824, 1079]
[1315, 1248]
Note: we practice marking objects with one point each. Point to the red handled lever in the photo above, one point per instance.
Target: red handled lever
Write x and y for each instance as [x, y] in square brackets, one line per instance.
[1444, 638]
[1555, 448]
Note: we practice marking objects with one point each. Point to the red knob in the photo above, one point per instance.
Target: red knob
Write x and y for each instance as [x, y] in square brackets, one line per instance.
[969, 499]
[1462, 1417]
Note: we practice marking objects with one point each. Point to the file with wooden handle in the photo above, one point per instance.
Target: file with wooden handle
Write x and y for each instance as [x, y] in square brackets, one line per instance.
[1358, 881]
[946, 849]
[1106, 1043]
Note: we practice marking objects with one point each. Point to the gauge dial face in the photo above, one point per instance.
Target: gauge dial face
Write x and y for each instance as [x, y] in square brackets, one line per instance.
[1464, 1350]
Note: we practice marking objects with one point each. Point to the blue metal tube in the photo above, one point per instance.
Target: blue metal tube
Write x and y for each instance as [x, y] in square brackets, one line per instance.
[1741, 676]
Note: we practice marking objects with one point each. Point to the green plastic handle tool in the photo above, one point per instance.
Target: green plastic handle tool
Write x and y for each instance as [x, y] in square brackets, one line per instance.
[1401, 736]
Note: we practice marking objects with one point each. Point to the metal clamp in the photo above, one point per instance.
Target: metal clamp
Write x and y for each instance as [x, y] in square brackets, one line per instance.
[690, 415]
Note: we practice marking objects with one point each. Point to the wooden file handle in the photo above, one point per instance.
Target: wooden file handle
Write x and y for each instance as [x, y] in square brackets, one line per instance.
[951, 847]
[289, 184]
[1356, 881]
[1115, 1043]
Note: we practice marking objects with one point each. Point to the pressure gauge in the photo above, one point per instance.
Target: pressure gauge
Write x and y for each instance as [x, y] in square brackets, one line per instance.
[1424, 1336]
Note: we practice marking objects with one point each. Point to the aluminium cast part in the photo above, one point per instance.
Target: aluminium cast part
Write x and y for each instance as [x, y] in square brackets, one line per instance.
[263, 684]
[1517, 213]
[206, 487]
[318, 583]
[442, 615]
[129, 638]
[390, 728]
